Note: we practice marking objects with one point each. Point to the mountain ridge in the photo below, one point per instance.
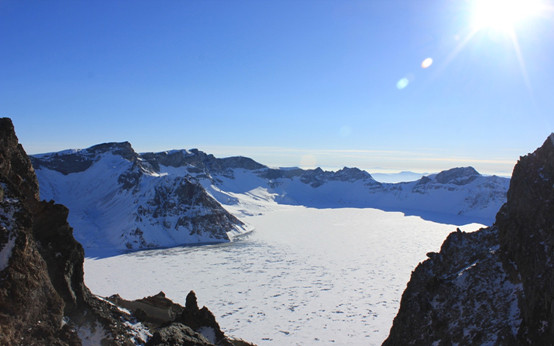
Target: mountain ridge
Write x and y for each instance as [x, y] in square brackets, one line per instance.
[125, 200]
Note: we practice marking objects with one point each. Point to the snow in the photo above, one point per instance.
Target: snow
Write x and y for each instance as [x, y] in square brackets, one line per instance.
[209, 333]
[105, 217]
[108, 218]
[477, 201]
[91, 334]
[400, 177]
[9, 208]
[305, 276]
[139, 331]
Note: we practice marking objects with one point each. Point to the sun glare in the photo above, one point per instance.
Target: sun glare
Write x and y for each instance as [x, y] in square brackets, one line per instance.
[503, 15]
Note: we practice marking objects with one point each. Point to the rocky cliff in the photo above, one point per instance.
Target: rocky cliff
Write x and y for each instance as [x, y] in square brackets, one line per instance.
[494, 286]
[43, 298]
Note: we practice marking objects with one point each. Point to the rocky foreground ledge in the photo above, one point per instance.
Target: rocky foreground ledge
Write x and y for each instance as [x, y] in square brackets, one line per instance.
[494, 286]
[43, 298]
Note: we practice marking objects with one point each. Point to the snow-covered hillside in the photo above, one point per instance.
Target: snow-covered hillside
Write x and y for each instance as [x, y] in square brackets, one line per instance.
[118, 202]
[456, 196]
[123, 200]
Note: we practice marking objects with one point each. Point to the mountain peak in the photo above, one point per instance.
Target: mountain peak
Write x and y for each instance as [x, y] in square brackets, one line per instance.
[353, 173]
[123, 149]
[15, 166]
[457, 176]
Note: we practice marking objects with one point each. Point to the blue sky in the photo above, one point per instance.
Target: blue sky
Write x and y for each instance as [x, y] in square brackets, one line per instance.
[310, 83]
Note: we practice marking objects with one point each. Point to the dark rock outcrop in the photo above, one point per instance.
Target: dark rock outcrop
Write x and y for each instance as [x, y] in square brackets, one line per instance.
[496, 285]
[43, 299]
[526, 224]
[178, 334]
[175, 324]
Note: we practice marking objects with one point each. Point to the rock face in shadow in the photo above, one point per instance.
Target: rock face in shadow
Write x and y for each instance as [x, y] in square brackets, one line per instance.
[34, 294]
[43, 298]
[526, 222]
[496, 285]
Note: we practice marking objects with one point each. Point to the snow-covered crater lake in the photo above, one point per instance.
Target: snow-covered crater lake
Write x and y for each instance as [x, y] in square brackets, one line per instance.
[306, 276]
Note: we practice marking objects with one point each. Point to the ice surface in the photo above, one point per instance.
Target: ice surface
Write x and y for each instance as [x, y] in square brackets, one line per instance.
[399, 177]
[306, 276]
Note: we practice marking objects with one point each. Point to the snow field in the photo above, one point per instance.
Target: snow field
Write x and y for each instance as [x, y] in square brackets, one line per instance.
[306, 276]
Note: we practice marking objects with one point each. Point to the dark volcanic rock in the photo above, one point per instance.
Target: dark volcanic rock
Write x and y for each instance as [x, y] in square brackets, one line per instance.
[526, 222]
[177, 334]
[496, 285]
[43, 299]
[15, 166]
[175, 324]
[31, 310]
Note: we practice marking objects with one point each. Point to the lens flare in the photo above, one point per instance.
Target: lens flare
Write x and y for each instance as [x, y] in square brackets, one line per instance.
[401, 84]
[426, 63]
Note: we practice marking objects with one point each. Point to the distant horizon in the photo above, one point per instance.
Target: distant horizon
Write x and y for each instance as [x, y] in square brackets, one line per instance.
[372, 161]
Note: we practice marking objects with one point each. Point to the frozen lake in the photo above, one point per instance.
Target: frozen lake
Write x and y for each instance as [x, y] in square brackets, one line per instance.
[306, 276]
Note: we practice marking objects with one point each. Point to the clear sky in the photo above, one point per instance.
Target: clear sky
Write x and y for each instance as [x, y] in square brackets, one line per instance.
[289, 83]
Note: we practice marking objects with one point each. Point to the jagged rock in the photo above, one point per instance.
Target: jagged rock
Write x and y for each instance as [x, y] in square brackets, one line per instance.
[155, 310]
[496, 285]
[202, 319]
[43, 299]
[178, 334]
[162, 314]
[31, 310]
[526, 224]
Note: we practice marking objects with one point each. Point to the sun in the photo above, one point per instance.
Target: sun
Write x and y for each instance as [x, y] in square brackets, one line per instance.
[503, 15]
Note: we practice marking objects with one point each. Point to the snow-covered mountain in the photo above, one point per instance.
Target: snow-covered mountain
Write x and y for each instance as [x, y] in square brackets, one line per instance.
[457, 195]
[119, 201]
[130, 201]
